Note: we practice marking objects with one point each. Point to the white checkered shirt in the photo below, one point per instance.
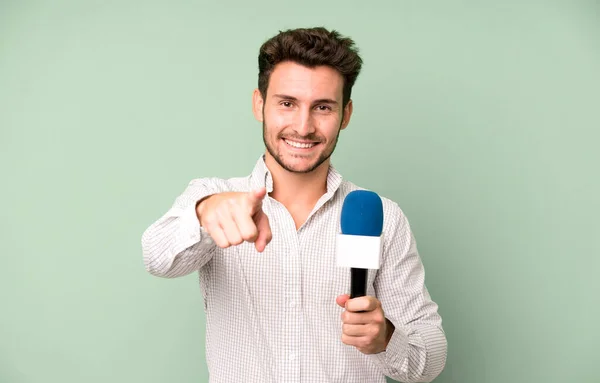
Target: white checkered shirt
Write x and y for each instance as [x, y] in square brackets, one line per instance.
[272, 316]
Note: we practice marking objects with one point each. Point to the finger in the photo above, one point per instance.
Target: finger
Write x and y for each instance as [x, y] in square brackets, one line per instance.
[349, 317]
[355, 329]
[342, 299]
[264, 231]
[365, 303]
[218, 236]
[246, 225]
[229, 226]
[356, 341]
[256, 196]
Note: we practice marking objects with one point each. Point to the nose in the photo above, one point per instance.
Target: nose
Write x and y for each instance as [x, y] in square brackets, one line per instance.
[304, 124]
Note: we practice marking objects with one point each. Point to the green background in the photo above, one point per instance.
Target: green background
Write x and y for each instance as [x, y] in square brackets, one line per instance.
[480, 118]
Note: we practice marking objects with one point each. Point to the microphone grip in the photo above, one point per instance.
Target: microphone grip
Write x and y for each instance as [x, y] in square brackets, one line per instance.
[358, 282]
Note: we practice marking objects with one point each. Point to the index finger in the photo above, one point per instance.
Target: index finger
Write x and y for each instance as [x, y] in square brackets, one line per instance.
[365, 303]
[256, 196]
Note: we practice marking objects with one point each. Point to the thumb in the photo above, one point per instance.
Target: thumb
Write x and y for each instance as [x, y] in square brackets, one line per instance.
[342, 299]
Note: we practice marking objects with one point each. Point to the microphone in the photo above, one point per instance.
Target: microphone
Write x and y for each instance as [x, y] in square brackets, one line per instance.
[359, 244]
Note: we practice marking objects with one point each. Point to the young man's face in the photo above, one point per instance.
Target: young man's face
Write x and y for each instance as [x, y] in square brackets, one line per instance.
[302, 115]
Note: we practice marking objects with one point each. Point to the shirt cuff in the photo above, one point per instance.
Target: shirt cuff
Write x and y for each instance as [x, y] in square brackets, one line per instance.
[190, 226]
[189, 231]
[393, 357]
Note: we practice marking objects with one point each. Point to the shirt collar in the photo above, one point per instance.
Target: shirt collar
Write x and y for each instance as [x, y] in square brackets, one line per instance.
[261, 177]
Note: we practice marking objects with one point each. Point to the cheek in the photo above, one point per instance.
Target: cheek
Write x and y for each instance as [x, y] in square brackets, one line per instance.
[275, 121]
[283, 119]
[331, 130]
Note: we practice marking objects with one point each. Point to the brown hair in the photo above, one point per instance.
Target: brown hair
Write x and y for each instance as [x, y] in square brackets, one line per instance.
[310, 47]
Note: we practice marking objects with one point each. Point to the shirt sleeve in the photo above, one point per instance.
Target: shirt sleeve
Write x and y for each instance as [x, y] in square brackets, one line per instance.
[176, 245]
[417, 349]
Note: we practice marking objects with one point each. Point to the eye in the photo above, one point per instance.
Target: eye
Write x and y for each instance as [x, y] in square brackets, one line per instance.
[324, 108]
[286, 104]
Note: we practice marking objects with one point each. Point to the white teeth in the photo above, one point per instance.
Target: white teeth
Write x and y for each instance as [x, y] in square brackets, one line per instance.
[299, 145]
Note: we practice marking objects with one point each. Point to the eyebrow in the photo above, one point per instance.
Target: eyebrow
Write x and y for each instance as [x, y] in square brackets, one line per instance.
[319, 101]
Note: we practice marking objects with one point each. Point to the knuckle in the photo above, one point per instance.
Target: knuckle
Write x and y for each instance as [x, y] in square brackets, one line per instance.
[207, 222]
[213, 219]
[246, 237]
[249, 235]
[344, 316]
[210, 214]
[222, 243]
[209, 230]
[235, 235]
[220, 212]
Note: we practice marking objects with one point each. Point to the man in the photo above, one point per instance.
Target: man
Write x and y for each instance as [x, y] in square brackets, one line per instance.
[264, 245]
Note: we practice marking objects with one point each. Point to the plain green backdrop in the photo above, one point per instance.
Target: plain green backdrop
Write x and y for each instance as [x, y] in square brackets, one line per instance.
[480, 118]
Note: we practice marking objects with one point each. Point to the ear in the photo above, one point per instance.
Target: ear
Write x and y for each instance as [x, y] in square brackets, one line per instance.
[257, 105]
[347, 114]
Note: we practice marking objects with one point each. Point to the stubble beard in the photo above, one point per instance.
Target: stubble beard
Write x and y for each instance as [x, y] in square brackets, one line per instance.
[322, 158]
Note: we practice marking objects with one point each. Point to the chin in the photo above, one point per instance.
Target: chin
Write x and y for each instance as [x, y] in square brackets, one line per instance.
[301, 166]
[298, 168]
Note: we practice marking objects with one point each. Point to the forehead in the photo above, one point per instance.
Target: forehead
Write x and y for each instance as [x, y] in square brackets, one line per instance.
[302, 82]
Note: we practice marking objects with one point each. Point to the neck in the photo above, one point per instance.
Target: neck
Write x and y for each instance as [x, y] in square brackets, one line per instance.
[297, 188]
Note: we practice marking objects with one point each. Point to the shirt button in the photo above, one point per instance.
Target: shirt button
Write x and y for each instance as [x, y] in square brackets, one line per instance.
[292, 356]
[293, 304]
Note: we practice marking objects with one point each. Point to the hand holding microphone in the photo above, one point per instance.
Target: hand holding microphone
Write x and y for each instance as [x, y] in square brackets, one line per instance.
[231, 218]
[359, 247]
[364, 324]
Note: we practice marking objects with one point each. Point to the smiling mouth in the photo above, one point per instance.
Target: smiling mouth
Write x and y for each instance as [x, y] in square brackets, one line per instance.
[300, 145]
